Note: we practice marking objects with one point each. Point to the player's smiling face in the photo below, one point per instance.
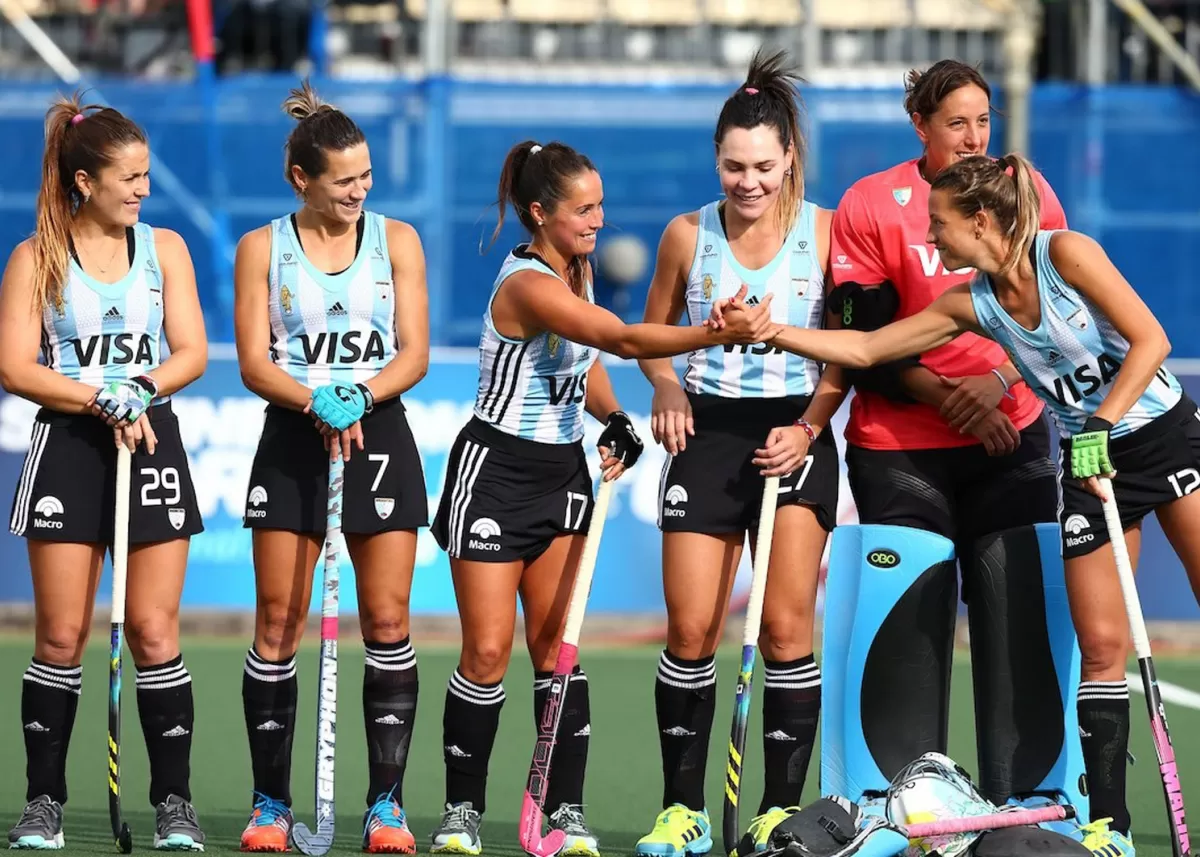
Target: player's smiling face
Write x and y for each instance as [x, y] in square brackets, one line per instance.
[572, 226]
[115, 195]
[751, 163]
[340, 192]
[960, 128]
[952, 232]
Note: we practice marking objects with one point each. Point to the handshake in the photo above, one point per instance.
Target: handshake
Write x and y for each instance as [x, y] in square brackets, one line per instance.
[735, 322]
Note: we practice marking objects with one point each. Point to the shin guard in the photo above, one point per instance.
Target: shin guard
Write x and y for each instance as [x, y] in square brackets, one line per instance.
[890, 602]
[1026, 668]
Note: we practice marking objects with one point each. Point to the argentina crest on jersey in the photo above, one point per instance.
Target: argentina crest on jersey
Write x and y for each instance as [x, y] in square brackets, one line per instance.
[101, 332]
[331, 327]
[794, 277]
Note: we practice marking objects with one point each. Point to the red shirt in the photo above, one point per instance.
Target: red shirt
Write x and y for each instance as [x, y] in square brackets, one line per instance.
[879, 232]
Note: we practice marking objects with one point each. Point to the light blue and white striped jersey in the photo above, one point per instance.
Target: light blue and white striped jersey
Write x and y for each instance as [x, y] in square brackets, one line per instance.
[332, 327]
[108, 331]
[795, 278]
[532, 388]
[1071, 360]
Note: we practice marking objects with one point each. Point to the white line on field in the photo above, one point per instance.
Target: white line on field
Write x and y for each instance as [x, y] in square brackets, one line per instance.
[1170, 692]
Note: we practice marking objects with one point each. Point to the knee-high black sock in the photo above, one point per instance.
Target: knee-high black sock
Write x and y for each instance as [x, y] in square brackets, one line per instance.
[269, 692]
[167, 712]
[791, 708]
[49, 697]
[389, 709]
[574, 731]
[1104, 729]
[684, 702]
[469, 724]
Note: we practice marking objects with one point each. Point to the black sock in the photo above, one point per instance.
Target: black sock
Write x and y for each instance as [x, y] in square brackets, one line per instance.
[49, 697]
[269, 692]
[469, 724]
[791, 707]
[1104, 729]
[571, 747]
[684, 702]
[389, 710]
[164, 700]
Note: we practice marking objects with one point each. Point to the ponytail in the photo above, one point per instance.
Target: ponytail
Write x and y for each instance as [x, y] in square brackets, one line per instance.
[320, 128]
[1027, 217]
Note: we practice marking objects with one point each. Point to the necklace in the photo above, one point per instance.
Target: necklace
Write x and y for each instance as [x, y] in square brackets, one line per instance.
[102, 268]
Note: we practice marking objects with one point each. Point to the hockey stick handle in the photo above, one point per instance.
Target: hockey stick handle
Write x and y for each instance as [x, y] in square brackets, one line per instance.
[994, 821]
[120, 546]
[762, 559]
[1133, 604]
[583, 577]
[333, 549]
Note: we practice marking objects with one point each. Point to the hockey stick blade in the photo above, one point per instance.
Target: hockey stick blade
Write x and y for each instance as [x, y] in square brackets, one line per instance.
[312, 844]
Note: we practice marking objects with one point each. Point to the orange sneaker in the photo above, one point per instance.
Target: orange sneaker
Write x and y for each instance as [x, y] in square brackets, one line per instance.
[270, 826]
[385, 829]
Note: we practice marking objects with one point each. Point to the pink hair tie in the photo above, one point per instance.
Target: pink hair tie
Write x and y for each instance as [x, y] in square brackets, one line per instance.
[77, 118]
[750, 90]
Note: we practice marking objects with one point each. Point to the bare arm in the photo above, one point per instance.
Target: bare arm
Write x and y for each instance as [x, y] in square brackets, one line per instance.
[601, 399]
[20, 341]
[183, 320]
[252, 325]
[664, 300]
[1084, 264]
[412, 314]
[943, 320]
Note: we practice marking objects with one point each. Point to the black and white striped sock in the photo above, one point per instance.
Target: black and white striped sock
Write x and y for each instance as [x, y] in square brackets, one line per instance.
[574, 734]
[684, 702]
[49, 698]
[269, 692]
[791, 708]
[389, 711]
[1104, 730]
[168, 714]
[469, 723]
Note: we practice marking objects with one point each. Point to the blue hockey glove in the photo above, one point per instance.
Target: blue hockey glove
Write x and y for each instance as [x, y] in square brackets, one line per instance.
[339, 406]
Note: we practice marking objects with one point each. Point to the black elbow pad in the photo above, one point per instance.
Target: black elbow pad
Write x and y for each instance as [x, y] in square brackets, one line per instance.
[867, 308]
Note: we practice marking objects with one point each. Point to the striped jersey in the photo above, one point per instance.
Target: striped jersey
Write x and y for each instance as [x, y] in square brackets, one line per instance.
[108, 332]
[532, 388]
[1071, 360]
[332, 327]
[795, 278]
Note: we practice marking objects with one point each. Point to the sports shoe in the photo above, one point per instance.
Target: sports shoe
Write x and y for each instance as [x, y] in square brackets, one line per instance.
[270, 825]
[40, 825]
[176, 827]
[1103, 841]
[580, 841]
[385, 828]
[758, 836]
[459, 831]
[677, 831]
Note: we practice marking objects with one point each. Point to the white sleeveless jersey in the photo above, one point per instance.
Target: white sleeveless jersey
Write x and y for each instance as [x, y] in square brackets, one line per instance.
[796, 280]
[1073, 357]
[108, 332]
[533, 388]
[332, 327]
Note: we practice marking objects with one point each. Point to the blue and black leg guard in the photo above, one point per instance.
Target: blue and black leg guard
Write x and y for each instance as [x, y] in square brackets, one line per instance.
[1026, 661]
[890, 605]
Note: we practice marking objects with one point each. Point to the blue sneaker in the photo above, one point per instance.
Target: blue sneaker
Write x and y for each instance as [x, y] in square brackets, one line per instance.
[1103, 841]
[678, 831]
[385, 828]
[270, 826]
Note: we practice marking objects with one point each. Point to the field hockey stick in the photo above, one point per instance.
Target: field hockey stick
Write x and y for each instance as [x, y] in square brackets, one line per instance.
[322, 840]
[532, 807]
[1180, 844]
[741, 706]
[120, 564]
[992, 821]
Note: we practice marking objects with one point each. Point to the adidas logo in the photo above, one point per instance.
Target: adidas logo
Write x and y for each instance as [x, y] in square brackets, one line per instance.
[113, 314]
[176, 732]
[585, 731]
[337, 309]
[269, 726]
[389, 720]
[678, 731]
[1076, 524]
[779, 735]
[1053, 357]
[457, 752]
[752, 301]
[35, 727]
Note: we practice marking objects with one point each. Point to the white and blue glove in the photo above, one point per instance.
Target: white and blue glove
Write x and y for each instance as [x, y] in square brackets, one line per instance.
[340, 406]
[128, 399]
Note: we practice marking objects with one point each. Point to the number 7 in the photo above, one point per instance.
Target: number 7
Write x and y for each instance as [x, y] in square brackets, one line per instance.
[383, 458]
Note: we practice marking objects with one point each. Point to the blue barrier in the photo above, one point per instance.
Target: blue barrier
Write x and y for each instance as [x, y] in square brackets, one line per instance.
[1125, 162]
[220, 420]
